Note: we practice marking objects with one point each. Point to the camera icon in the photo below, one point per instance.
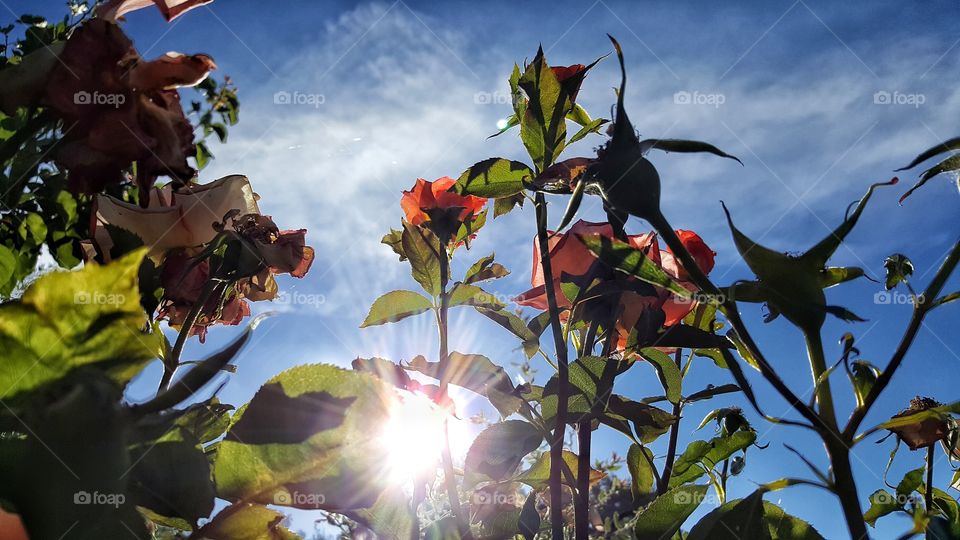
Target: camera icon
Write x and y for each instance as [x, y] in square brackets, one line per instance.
[282, 98]
[82, 97]
[282, 498]
[482, 497]
[81, 297]
[82, 497]
[482, 98]
[881, 97]
[682, 497]
[682, 98]
[882, 297]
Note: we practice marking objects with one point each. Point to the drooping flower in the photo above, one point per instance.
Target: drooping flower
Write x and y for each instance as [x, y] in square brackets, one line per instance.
[171, 9]
[181, 225]
[571, 259]
[922, 433]
[570, 77]
[119, 108]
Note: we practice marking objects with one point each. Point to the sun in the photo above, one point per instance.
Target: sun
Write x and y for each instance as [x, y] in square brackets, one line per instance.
[413, 437]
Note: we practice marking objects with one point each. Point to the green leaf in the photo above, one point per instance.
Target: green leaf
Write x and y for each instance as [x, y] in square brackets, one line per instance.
[946, 146]
[304, 441]
[244, 521]
[702, 455]
[538, 475]
[68, 320]
[8, 268]
[188, 494]
[543, 127]
[422, 249]
[950, 164]
[684, 146]
[494, 178]
[389, 517]
[394, 239]
[640, 465]
[497, 451]
[648, 422]
[485, 269]
[592, 126]
[898, 268]
[863, 375]
[752, 517]
[631, 261]
[395, 306]
[667, 371]
[529, 522]
[910, 483]
[471, 295]
[667, 512]
[505, 205]
[882, 503]
[476, 373]
[516, 326]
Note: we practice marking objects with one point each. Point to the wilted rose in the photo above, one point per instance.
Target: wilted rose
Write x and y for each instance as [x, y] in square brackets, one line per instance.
[922, 433]
[171, 9]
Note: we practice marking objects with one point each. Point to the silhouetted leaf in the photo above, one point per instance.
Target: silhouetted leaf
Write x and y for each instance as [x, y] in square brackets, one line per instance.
[494, 178]
[680, 145]
[497, 451]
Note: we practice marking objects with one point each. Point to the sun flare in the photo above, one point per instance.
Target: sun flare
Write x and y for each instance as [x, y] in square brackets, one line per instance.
[414, 438]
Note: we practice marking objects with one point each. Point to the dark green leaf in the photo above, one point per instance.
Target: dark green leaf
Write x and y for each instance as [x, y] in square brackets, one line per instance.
[494, 178]
[667, 512]
[497, 451]
[680, 145]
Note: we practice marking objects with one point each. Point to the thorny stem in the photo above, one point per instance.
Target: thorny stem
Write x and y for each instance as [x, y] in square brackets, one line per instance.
[674, 436]
[172, 362]
[556, 443]
[448, 474]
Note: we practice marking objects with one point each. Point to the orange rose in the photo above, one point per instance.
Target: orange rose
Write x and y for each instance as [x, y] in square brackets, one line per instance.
[11, 528]
[574, 74]
[426, 196]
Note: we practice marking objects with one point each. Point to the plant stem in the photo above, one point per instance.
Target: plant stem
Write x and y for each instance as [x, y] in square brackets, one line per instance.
[448, 475]
[556, 444]
[172, 362]
[846, 488]
[928, 494]
[672, 444]
[818, 367]
[584, 432]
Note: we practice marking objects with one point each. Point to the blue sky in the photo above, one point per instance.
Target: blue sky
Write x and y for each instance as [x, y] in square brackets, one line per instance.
[411, 89]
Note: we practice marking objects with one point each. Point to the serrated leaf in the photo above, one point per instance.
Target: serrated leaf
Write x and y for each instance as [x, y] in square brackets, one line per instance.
[422, 249]
[68, 320]
[538, 475]
[640, 465]
[395, 306]
[470, 295]
[667, 513]
[494, 178]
